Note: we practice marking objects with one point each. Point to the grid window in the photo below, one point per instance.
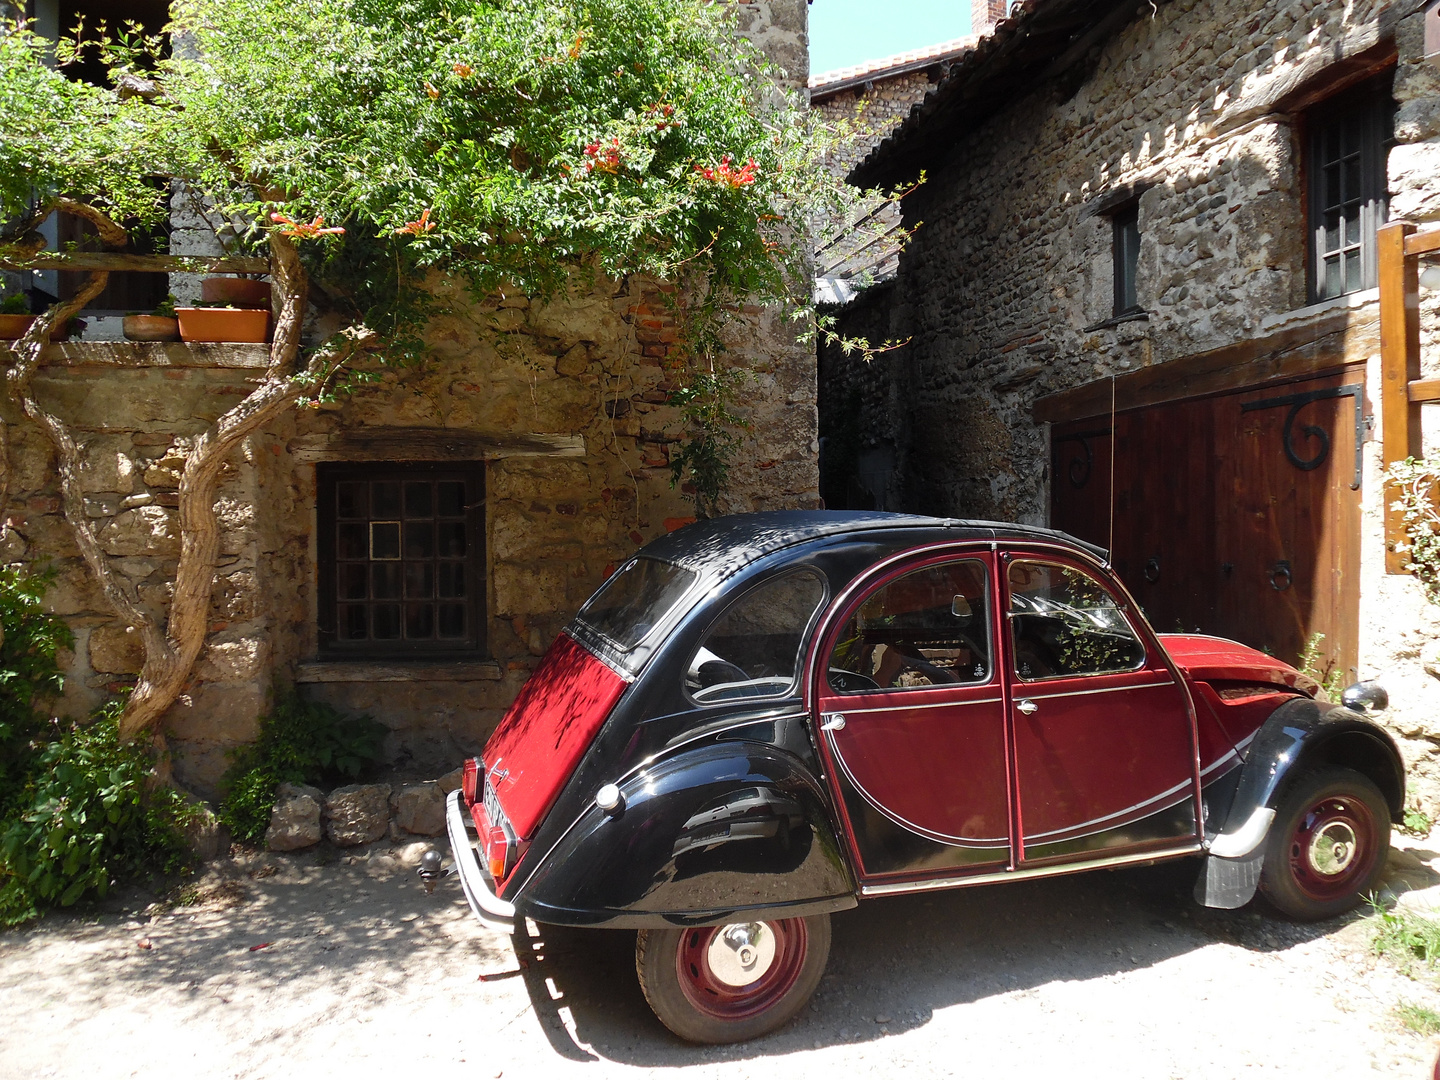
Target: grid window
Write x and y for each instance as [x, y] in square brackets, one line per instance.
[399, 546]
[1350, 136]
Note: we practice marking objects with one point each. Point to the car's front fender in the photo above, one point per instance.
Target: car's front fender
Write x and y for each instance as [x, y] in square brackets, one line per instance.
[1300, 735]
[700, 837]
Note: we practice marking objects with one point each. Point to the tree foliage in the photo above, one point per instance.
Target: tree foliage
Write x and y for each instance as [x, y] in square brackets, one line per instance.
[506, 141]
[515, 145]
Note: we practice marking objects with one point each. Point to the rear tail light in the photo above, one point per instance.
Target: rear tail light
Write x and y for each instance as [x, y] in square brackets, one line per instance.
[468, 780]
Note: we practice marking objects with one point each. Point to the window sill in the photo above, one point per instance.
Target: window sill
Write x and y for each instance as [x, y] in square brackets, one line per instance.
[1347, 302]
[1117, 320]
[370, 671]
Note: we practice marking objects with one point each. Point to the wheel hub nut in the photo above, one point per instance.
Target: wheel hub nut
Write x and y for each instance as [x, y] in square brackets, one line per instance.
[1333, 849]
[741, 953]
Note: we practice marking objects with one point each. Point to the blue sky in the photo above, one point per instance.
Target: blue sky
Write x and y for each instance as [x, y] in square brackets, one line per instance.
[847, 32]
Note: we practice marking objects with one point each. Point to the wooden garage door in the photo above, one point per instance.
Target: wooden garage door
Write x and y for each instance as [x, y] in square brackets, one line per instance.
[1236, 515]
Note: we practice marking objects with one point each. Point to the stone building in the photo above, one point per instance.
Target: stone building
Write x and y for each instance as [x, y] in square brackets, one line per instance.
[1142, 307]
[411, 551]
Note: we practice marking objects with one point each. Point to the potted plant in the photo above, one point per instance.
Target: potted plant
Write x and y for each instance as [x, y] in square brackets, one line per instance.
[15, 317]
[237, 292]
[221, 322]
[160, 325]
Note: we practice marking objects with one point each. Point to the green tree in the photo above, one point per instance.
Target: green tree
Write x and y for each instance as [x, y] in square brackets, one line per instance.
[513, 144]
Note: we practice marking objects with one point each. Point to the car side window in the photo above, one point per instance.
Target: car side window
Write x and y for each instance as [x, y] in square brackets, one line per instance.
[1064, 622]
[930, 627]
[752, 650]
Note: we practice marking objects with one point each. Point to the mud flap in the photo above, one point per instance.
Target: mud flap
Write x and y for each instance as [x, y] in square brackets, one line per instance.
[1229, 883]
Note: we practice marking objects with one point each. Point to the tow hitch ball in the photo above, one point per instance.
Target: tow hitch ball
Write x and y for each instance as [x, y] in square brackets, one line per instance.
[430, 869]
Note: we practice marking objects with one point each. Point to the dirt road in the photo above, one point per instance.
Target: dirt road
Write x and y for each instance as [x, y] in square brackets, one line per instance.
[362, 974]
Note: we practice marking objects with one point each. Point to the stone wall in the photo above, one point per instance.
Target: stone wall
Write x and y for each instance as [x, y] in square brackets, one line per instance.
[1006, 291]
[566, 400]
[878, 107]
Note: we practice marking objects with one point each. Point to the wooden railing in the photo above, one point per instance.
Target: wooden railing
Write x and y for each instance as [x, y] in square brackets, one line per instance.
[1401, 388]
[153, 264]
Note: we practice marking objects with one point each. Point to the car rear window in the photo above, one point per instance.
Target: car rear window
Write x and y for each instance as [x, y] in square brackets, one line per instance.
[635, 599]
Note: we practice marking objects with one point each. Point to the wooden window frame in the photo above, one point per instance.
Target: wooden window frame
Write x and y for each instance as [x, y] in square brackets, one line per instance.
[1370, 104]
[331, 647]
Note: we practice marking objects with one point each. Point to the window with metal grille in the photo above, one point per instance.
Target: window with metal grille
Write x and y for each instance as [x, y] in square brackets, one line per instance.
[1349, 138]
[400, 554]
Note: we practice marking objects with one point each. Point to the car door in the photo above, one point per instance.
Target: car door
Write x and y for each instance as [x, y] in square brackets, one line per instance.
[1105, 759]
[911, 717]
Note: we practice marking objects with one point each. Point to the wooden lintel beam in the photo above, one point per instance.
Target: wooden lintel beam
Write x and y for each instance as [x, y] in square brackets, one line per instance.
[151, 264]
[1321, 347]
[431, 444]
[1422, 243]
[1399, 367]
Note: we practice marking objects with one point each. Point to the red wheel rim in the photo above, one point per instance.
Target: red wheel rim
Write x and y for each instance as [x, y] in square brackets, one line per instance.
[1332, 848]
[709, 991]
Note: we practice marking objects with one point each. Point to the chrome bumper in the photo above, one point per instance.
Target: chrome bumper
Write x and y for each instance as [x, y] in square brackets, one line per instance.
[479, 890]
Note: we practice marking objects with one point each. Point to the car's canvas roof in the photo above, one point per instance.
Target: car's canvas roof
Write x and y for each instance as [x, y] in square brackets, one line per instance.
[723, 545]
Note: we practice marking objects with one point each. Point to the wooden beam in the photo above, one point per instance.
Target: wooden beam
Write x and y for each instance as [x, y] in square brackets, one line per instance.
[138, 354]
[431, 444]
[1326, 345]
[149, 264]
[1399, 367]
[1423, 390]
[1422, 243]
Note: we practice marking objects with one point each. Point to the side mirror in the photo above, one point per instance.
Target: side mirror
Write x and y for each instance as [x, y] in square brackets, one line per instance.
[960, 607]
[1365, 697]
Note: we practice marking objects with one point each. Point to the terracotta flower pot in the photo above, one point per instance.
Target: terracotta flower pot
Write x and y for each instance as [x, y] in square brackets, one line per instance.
[150, 328]
[237, 292]
[13, 327]
[223, 324]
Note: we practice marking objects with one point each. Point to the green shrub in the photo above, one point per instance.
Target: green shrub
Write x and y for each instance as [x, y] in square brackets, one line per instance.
[87, 816]
[29, 675]
[301, 742]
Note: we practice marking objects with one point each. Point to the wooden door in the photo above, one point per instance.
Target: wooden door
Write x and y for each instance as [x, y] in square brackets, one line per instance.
[1236, 515]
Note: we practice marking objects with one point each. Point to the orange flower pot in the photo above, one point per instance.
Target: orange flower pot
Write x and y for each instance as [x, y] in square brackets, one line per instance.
[223, 324]
[13, 327]
[237, 292]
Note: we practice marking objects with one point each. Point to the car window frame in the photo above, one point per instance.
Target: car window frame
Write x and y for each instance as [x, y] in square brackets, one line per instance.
[807, 637]
[1122, 604]
[683, 604]
[894, 571]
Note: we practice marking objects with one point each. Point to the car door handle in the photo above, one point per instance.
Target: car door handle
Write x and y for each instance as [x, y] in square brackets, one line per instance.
[1027, 706]
[832, 721]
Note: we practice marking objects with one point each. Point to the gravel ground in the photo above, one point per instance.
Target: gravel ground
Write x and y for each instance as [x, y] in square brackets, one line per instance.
[330, 964]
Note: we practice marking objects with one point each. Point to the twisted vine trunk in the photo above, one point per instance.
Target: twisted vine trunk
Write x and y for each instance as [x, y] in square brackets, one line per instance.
[172, 649]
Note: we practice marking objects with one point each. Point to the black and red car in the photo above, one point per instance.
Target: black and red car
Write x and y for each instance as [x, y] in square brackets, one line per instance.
[765, 718]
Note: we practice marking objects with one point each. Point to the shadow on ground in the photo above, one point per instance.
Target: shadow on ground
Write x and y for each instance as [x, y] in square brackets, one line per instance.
[894, 962]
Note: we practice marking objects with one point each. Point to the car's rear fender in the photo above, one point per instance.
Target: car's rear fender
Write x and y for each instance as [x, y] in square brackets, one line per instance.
[710, 832]
[1298, 737]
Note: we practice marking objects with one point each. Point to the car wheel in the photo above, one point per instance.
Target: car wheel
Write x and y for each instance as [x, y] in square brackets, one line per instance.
[721, 984]
[1327, 845]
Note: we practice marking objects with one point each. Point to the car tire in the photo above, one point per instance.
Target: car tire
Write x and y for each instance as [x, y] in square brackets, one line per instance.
[1327, 845]
[702, 983]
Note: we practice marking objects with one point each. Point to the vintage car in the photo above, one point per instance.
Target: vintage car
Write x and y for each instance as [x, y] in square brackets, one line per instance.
[762, 719]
